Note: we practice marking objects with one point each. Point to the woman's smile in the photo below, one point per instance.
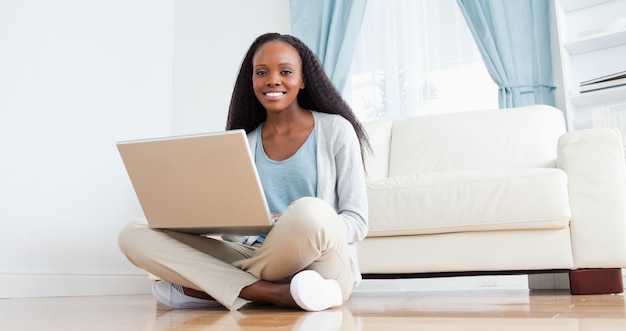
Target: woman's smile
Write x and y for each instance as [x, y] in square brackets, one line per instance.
[274, 95]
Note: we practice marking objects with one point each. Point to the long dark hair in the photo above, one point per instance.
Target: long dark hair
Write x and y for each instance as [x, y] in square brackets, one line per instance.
[246, 112]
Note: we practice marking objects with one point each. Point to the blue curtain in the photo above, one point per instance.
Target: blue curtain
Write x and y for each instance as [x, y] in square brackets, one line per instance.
[514, 40]
[330, 28]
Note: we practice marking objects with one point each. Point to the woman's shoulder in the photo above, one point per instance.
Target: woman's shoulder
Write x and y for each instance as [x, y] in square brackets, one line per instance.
[334, 128]
[330, 119]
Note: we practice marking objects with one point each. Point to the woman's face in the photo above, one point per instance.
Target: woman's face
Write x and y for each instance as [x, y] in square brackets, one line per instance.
[277, 76]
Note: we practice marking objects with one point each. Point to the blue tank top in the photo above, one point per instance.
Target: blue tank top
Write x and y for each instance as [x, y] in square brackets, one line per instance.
[287, 180]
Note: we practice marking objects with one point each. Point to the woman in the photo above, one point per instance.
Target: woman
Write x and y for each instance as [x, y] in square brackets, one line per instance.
[307, 146]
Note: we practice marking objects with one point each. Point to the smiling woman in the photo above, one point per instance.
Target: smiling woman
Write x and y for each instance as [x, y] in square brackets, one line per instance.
[307, 147]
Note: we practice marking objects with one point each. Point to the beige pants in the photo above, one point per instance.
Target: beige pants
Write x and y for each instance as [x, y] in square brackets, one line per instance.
[307, 236]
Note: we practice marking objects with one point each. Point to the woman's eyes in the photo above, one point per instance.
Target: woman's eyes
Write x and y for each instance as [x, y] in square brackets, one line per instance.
[282, 72]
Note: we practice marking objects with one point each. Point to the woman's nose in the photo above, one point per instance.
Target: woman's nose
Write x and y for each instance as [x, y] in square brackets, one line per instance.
[273, 80]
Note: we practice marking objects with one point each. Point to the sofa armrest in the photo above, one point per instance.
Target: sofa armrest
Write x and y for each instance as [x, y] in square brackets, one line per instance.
[594, 162]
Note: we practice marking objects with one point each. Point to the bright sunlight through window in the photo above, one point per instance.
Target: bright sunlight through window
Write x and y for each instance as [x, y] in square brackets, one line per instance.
[417, 58]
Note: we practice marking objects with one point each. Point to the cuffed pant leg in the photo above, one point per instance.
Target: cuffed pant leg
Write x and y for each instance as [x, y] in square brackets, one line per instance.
[308, 235]
[190, 260]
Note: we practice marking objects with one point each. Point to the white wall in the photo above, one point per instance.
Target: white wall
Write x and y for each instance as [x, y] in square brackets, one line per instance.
[209, 45]
[77, 76]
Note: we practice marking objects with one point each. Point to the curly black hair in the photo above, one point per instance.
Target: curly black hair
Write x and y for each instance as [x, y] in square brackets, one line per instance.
[246, 112]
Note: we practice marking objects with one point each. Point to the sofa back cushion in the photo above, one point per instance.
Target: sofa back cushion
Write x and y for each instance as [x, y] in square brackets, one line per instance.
[524, 137]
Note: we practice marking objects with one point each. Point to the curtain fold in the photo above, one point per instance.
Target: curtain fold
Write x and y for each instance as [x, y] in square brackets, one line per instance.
[330, 28]
[514, 41]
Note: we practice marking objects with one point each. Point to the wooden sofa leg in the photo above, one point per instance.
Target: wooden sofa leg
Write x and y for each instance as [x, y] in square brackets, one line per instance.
[596, 281]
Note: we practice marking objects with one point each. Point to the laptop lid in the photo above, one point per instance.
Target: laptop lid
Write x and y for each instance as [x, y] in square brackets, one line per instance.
[206, 184]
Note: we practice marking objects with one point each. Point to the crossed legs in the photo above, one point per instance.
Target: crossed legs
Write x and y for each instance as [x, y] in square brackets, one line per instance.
[308, 236]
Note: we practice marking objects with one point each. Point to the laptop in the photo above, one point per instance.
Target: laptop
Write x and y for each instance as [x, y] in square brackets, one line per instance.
[204, 184]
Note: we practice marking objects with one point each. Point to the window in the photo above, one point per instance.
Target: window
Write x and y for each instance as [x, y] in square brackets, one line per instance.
[416, 58]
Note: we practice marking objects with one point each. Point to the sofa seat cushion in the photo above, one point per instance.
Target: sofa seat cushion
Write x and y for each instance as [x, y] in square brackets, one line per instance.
[482, 200]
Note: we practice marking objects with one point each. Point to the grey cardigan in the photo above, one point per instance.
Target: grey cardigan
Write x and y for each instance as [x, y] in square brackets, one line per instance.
[340, 176]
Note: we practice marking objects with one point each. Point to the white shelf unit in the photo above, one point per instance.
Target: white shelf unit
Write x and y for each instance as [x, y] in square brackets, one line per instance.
[597, 42]
[589, 42]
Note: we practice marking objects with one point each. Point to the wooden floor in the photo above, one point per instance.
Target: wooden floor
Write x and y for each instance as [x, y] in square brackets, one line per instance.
[478, 309]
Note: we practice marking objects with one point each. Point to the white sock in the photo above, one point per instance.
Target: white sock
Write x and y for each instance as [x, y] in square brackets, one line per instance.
[314, 293]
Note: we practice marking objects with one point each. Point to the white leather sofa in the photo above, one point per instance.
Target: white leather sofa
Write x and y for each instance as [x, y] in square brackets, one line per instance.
[496, 191]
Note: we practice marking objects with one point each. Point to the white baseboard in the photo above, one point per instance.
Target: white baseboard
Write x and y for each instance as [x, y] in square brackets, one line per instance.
[61, 285]
[445, 283]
